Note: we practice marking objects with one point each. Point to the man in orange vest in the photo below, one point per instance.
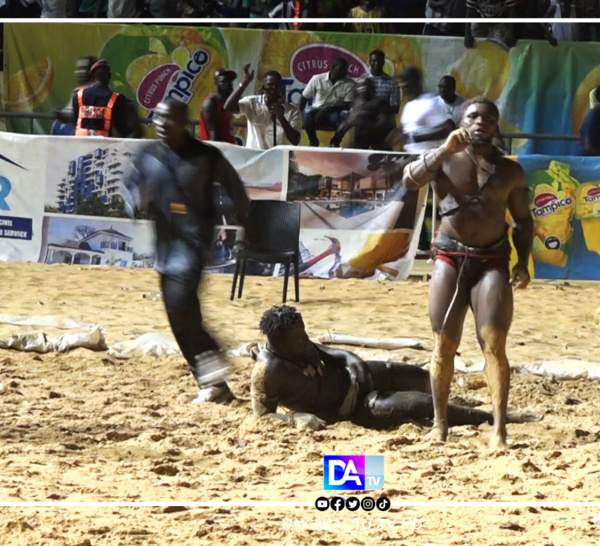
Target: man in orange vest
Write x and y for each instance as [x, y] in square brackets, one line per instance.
[97, 109]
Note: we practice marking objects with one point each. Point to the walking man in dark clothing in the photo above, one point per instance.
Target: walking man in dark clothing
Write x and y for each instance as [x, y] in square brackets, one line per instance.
[172, 180]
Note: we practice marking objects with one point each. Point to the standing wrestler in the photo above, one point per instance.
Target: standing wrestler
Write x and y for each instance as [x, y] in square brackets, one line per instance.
[322, 384]
[173, 180]
[475, 185]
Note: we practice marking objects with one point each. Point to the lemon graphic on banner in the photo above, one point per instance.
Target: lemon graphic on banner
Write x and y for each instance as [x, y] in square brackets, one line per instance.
[29, 87]
[399, 54]
[279, 49]
[483, 70]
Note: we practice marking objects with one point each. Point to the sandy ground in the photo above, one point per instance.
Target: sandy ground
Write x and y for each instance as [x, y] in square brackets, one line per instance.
[84, 426]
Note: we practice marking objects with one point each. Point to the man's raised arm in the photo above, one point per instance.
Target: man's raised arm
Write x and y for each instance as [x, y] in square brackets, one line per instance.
[424, 170]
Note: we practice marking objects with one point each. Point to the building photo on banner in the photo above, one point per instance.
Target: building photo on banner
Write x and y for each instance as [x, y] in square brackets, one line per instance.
[357, 219]
[143, 403]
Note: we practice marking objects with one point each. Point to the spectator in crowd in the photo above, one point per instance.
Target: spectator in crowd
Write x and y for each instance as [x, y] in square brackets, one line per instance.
[93, 8]
[122, 9]
[367, 9]
[215, 122]
[590, 133]
[582, 9]
[503, 32]
[54, 8]
[288, 9]
[425, 122]
[163, 8]
[449, 100]
[370, 122]
[444, 9]
[384, 87]
[97, 109]
[332, 94]
[272, 120]
[256, 8]
[535, 9]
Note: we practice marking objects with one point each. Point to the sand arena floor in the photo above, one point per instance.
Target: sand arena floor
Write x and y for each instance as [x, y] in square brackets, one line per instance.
[84, 426]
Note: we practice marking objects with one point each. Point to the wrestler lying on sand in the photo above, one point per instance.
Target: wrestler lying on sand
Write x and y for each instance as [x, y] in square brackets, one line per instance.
[475, 186]
[320, 384]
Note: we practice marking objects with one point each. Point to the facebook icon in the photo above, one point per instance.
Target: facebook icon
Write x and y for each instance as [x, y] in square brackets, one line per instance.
[352, 472]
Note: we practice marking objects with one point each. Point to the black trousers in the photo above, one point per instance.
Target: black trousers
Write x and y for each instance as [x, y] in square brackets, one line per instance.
[401, 393]
[180, 294]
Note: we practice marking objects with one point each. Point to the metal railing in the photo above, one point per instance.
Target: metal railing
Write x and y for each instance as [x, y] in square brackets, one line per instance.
[509, 138]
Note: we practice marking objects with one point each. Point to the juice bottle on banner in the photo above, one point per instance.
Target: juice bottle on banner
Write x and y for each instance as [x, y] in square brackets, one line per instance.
[552, 207]
[588, 211]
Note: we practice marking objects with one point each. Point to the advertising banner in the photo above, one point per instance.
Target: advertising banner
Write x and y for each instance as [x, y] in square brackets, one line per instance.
[149, 62]
[61, 202]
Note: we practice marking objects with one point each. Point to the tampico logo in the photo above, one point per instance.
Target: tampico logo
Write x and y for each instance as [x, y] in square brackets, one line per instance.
[593, 195]
[172, 80]
[546, 203]
[352, 472]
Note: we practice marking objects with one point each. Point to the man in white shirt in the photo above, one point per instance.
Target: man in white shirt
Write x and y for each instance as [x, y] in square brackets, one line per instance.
[332, 93]
[272, 121]
[450, 102]
[425, 124]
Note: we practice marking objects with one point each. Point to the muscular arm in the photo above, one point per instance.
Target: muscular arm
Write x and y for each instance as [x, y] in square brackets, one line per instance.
[345, 359]
[518, 206]
[264, 401]
[210, 118]
[424, 170]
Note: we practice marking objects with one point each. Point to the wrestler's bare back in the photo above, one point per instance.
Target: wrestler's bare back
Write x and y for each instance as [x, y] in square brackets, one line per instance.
[487, 191]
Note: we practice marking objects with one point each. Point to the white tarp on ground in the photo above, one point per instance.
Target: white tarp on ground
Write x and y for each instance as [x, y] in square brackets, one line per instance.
[160, 345]
[39, 342]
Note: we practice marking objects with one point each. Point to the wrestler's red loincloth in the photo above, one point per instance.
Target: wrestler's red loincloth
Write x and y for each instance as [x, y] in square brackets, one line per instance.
[488, 261]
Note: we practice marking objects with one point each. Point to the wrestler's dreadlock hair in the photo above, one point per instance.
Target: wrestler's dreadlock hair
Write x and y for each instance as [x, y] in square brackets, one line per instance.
[498, 138]
[278, 320]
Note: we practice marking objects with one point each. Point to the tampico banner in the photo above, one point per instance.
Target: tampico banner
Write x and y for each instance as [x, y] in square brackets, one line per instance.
[149, 62]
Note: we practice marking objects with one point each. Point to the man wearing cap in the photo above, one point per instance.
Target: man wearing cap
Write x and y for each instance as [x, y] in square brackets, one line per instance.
[215, 123]
[97, 109]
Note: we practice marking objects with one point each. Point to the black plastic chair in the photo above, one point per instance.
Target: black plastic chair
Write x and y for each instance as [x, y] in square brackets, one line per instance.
[273, 237]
